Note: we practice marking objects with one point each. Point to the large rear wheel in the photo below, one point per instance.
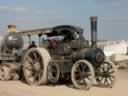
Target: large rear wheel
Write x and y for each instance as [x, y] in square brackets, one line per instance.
[35, 66]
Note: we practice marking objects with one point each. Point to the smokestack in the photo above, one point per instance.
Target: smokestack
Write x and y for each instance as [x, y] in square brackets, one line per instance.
[93, 21]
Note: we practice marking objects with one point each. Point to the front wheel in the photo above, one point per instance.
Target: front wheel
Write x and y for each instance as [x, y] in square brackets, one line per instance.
[106, 74]
[82, 74]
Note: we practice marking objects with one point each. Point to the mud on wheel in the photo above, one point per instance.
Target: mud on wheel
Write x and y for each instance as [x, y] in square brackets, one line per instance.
[82, 74]
[8, 71]
[106, 74]
[35, 66]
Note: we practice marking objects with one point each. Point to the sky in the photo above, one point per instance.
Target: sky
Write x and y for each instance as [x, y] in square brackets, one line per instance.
[33, 14]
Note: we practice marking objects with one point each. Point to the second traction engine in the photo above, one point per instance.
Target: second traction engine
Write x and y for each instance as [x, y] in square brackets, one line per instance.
[10, 56]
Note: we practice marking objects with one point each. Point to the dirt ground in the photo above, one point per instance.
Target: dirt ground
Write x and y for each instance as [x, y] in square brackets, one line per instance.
[17, 88]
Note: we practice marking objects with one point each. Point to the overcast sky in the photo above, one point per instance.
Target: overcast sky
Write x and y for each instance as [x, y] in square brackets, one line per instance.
[30, 14]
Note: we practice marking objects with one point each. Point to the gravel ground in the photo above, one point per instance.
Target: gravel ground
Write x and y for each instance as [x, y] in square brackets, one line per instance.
[17, 88]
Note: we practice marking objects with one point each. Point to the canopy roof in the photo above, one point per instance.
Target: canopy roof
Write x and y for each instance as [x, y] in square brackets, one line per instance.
[52, 31]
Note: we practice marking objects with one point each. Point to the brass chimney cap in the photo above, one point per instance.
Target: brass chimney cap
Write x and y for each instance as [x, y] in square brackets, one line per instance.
[11, 28]
[11, 25]
[93, 18]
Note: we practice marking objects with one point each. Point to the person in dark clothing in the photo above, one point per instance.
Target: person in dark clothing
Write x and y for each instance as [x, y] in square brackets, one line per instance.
[32, 45]
[52, 44]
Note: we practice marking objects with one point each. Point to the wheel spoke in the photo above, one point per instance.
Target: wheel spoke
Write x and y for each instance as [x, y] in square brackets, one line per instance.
[101, 78]
[85, 82]
[38, 73]
[78, 68]
[29, 67]
[87, 74]
[110, 78]
[112, 71]
[35, 56]
[113, 77]
[77, 75]
[83, 67]
[30, 61]
[104, 68]
[35, 76]
[109, 67]
[89, 78]
[106, 81]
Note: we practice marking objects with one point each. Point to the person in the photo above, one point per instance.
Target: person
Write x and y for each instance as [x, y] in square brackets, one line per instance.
[52, 44]
[32, 45]
[75, 35]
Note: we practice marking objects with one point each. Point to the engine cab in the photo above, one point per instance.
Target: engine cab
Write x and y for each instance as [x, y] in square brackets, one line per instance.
[66, 39]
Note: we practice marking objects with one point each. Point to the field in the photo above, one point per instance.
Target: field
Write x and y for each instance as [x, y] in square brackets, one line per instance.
[18, 88]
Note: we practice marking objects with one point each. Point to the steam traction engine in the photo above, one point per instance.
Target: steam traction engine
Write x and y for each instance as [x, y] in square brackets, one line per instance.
[63, 54]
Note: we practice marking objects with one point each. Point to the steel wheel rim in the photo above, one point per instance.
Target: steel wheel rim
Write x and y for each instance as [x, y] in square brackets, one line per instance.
[33, 68]
[106, 75]
[53, 73]
[83, 79]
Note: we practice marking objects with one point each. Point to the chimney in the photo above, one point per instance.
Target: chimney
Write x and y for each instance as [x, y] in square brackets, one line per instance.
[93, 21]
